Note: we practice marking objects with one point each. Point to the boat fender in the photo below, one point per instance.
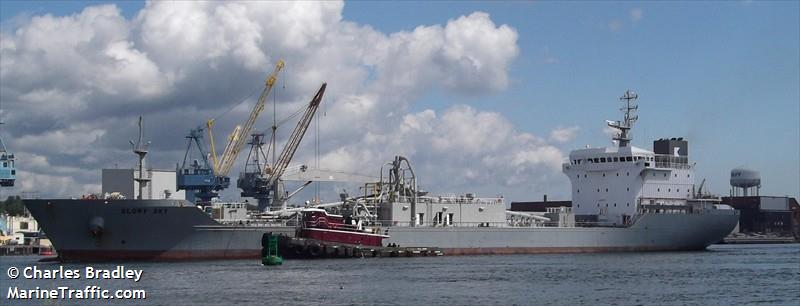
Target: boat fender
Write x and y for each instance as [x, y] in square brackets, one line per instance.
[298, 249]
[96, 226]
[314, 250]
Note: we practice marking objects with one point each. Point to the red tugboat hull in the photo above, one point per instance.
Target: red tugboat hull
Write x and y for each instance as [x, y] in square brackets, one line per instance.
[340, 236]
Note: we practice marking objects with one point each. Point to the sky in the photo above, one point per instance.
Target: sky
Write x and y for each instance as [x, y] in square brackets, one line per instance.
[484, 97]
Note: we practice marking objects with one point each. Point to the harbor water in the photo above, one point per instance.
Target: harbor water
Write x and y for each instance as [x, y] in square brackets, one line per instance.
[721, 275]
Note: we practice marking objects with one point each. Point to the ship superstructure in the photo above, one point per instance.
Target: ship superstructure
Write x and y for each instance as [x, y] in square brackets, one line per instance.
[612, 185]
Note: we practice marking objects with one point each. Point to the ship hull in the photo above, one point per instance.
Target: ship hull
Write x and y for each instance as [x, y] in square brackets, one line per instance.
[162, 230]
[652, 232]
[172, 230]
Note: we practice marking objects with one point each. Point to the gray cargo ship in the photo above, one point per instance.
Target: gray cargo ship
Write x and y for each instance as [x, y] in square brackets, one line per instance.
[624, 199]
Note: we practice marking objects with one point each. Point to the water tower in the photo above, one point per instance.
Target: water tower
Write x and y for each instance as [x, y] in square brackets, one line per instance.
[744, 182]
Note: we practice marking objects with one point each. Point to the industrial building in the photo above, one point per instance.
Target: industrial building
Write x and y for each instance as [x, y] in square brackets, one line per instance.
[161, 184]
[778, 216]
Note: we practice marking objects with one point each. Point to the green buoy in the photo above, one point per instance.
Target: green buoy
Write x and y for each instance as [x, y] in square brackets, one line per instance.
[269, 250]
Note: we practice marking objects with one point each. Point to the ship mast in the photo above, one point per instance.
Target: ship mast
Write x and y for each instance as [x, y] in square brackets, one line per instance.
[140, 149]
[629, 108]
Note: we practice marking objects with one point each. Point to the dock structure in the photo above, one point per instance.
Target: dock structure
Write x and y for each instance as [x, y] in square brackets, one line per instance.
[303, 248]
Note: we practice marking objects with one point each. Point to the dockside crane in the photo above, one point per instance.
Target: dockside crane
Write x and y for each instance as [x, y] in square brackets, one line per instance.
[8, 174]
[206, 178]
[267, 187]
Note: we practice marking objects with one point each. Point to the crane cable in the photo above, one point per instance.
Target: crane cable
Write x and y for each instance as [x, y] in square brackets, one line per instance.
[241, 101]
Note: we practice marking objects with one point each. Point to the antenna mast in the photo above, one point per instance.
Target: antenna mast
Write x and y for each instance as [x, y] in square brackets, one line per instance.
[629, 108]
[140, 149]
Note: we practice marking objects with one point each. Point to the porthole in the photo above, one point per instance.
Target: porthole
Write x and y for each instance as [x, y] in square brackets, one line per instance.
[606, 189]
[627, 174]
[628, 189]
[604, 175]
[615, 204]
[659, 189]
[617, 173]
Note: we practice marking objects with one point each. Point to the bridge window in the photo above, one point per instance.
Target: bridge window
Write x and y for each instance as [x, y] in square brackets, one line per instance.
[628, 158]
[602, 159]
[596, 160]
[616, 159]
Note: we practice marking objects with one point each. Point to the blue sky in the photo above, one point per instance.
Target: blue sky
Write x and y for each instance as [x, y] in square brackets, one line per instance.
[725, 75]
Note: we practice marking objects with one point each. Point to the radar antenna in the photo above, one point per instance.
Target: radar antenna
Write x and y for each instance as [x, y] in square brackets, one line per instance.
[140, 149]
[629, 108]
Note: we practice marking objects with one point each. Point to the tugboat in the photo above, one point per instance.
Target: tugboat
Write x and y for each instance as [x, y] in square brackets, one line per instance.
[317, 224]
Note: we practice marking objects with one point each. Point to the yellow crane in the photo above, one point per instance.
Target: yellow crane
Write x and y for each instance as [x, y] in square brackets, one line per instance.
[236, 140]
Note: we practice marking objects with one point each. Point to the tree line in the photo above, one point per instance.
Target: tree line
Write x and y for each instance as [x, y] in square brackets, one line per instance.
[12, 206]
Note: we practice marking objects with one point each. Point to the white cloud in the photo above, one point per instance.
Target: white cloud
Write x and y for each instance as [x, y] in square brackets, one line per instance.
[615, 25]
[459, 147]
[563, 134]
[636, 14]
[75, 84]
